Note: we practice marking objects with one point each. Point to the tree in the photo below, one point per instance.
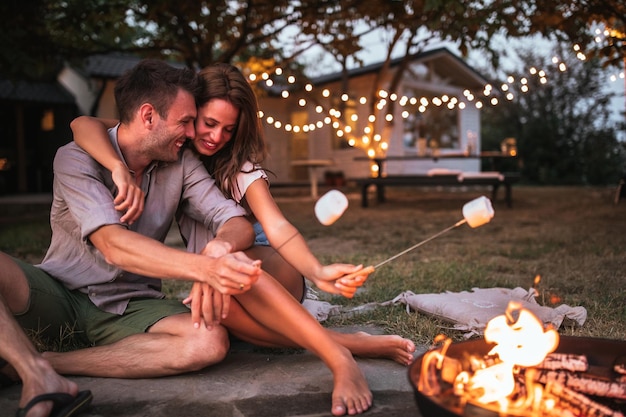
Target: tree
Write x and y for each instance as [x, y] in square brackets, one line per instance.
[200, 32]
[277, 32]
[561, 120]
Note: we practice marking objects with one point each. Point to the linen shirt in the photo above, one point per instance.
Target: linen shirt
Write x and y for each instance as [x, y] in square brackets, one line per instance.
[83, 193]
[196, 235]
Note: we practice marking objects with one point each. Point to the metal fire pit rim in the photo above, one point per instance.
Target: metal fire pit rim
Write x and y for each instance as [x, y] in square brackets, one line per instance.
[599, 351]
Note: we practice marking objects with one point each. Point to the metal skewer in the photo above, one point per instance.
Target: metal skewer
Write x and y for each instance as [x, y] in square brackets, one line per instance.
[370, 269]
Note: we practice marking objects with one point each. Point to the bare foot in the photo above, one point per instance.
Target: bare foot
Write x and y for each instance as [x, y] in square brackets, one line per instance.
[44, 381]
[366, 345]
[351, 394]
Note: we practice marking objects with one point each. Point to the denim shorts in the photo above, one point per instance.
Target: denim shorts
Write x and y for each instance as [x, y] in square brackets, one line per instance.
[260, 238]
[55, 313]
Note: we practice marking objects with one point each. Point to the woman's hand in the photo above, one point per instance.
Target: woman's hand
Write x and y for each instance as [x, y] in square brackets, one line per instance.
[130, 197]
[331, 279]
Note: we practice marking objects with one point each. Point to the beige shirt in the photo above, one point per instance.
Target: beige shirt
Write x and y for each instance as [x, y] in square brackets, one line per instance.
[83, 202]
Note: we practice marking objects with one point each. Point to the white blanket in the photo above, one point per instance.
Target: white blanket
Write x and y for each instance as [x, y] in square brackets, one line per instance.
[467, 311]
[470, 311]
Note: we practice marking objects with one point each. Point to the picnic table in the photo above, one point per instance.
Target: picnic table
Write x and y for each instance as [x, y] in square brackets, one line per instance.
[493, 179]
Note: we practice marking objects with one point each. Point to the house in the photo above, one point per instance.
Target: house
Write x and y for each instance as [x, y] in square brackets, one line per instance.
[448, 129]
[34, 123]
[297, 130]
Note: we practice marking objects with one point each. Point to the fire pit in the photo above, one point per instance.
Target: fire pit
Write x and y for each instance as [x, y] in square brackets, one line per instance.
[601, 354]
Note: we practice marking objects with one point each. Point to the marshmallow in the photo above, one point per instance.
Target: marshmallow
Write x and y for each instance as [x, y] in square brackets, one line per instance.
[478, 211]
[330, 207]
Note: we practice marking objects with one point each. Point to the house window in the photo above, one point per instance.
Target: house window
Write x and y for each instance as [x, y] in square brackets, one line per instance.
[47, 120]
[431, 127]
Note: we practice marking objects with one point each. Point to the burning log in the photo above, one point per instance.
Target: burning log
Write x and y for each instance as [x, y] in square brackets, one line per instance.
[578, 403]
[584, 384]
[565, 361]
[435, 363]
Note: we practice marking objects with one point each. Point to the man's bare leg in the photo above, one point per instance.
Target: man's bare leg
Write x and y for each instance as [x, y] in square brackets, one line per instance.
[172, 346]
[36, 374]
[155, 353]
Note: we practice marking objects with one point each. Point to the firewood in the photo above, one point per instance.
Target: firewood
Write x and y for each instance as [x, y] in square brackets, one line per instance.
[565, 361]
[584, 384]
[579, 403]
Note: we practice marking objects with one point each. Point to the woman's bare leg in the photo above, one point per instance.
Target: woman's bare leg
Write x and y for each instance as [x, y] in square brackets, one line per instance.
[274, 308]
[282, 271]
[360, 344]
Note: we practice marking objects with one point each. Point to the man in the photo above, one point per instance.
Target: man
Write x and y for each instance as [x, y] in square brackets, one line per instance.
[102, 277]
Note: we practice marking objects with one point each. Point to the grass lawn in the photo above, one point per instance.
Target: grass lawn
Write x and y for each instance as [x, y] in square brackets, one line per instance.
[573, 238]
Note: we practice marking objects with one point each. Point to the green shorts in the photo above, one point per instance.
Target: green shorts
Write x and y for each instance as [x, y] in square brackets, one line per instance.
[55, 313]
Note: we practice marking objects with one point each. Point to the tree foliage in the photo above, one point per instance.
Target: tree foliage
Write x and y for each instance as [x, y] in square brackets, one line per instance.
[563, 127]
[200, 32]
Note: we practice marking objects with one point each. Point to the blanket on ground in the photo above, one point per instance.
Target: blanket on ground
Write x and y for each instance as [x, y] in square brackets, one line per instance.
[468, 311]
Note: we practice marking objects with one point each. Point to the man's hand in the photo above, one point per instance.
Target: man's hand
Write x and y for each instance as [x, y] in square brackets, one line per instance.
[207, 305]
[130, 197]
[233, 274]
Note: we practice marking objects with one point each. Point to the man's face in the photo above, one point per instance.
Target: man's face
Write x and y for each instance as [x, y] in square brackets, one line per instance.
[170, 134]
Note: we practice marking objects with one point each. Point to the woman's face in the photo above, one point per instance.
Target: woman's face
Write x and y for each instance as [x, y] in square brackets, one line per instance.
[215, 124]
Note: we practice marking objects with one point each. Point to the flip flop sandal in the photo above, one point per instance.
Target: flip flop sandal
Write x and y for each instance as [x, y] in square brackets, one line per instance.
[65, 405]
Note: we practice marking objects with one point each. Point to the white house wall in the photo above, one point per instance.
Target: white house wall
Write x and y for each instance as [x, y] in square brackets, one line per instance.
[277, 140]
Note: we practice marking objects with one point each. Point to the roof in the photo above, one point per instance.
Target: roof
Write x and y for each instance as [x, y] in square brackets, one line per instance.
[114, 65]
[447, 65]
[39, 92]
[110, 66]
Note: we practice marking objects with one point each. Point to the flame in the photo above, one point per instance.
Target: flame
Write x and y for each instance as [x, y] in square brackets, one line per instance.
[494, 383]
[520, 337]
[521, 341]
[536, 280]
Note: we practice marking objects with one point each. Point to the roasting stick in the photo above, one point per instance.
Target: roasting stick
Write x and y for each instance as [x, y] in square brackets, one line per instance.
[370, 269]
[475, 213]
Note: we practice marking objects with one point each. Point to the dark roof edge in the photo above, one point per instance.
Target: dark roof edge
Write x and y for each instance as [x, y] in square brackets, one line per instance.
[35, 92]
[328, 78]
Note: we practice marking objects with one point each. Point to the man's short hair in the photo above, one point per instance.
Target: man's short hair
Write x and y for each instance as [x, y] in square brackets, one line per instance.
[155, 82]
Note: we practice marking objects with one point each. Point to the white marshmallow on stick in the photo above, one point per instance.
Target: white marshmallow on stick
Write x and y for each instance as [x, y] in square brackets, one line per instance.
[478, 211]
[475, 213]
[330, 207]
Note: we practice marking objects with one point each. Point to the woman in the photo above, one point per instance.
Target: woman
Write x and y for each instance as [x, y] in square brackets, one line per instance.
[229, 139]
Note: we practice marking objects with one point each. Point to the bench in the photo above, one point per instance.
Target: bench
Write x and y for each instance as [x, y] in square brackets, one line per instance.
[495, 181]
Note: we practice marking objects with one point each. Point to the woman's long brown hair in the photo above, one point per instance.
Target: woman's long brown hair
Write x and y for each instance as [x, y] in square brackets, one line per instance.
[226, 82]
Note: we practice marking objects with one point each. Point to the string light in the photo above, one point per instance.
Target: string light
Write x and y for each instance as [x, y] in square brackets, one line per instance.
[332, 117]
